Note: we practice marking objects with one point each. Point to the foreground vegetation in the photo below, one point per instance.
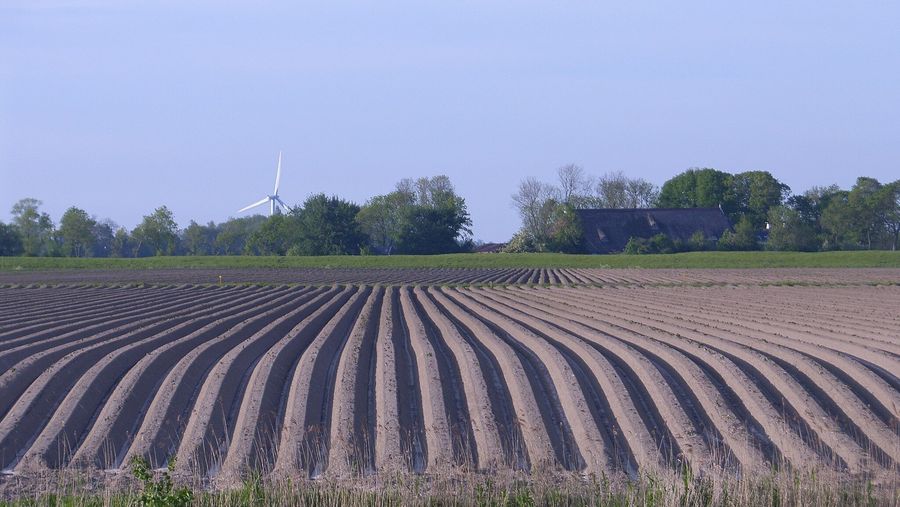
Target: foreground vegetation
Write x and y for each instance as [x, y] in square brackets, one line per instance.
[693, 260]
[683, 489]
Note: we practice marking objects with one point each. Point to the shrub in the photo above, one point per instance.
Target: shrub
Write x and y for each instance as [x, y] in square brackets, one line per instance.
[162, 492]
[655, 245]
[742, 239]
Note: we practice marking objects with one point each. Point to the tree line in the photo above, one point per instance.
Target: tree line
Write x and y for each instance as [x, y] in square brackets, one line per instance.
[421, 216]
[763, 211]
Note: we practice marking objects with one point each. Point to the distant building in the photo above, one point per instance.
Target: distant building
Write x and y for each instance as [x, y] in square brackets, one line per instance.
[608, 230]
[489, 248]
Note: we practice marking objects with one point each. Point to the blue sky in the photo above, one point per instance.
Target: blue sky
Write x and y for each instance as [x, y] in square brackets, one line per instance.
[118, 107]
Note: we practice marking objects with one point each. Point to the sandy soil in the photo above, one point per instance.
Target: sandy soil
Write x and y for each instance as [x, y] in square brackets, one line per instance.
[648, 371]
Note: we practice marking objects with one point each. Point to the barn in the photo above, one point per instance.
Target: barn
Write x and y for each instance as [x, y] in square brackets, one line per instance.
[608, 230]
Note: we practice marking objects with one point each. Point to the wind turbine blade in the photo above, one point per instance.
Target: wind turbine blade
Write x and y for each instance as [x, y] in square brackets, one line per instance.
[277, 175]
[283, 205]
[257, 203]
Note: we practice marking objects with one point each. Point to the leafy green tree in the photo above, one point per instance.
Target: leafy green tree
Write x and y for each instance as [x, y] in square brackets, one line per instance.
[382, 220]
[430, 231]
[811, 203]
[422, 216]
[753, 193]
[35, 228]
[838, 223]
[789, 231]
[104, 233]
[865, 209]
[743, 238]
[234, 234]
[199, 239]
[889, 199]
[276, 236]
[157, 233]
[327, 226]
[565, 233]
[76, 230]
[10, 241]
[121, 244]
[698, 188]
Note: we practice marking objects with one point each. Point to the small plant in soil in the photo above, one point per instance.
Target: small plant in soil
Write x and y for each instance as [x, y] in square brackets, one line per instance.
[159, 492]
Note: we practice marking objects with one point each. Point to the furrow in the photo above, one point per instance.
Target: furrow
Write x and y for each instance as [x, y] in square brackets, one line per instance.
[352, 437]
[479, 408]
[210, 429]
[177, 400]
[628, 441]
[588, 438]
[126, 407]
[66, 428]
[267, 410]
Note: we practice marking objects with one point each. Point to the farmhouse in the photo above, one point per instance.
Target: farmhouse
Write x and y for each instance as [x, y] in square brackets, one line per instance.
[608, 230]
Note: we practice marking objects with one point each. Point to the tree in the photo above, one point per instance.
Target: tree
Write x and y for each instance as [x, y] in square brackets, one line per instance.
[276, 236]
[612, 190]
[616, 190]
[753, 193]
[157, 233]
[789, 231]
[10, 241]
[327, 226]
[743, 238]
[234, 234]
[422, 216]
[382, 220]
[869, 205]
[698, 188]
[530, 201]
[565, 234]
[199, 239]
[35, 228]
[121, 244]
[104, 233]
[837, 222]
[76, 230]
[889, 200]
[430, 230]
[574, 186]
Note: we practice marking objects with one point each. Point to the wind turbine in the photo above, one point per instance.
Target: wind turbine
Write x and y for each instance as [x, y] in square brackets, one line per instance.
[273, 200]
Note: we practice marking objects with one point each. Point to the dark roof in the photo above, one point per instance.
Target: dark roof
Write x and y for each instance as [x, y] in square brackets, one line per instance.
[608, 230]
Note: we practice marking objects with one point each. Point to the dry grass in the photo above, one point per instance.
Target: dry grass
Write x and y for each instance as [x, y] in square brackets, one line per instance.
[75, 488]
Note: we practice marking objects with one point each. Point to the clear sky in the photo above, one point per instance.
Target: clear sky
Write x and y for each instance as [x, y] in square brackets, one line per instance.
[120, 106]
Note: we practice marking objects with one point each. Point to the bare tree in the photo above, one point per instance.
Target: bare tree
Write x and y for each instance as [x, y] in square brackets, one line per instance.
[574, 186]
[641, 193]
[612, 190]
[615, 190]
[530, 201]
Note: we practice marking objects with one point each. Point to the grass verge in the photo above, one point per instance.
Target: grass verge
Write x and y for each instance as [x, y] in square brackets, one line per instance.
[854, 259]
[681, 489]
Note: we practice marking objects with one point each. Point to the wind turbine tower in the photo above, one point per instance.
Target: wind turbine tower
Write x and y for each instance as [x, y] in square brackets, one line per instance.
[273, 200]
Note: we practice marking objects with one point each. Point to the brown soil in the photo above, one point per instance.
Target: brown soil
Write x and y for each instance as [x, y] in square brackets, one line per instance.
[648, 371]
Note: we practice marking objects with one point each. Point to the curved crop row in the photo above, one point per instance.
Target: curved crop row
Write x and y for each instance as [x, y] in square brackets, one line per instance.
[343, 380]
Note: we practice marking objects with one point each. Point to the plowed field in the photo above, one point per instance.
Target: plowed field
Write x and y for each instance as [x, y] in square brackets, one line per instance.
[340, 380]
[458, 276]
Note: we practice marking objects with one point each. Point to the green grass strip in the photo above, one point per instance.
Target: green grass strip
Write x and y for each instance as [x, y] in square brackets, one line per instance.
[854, 259]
